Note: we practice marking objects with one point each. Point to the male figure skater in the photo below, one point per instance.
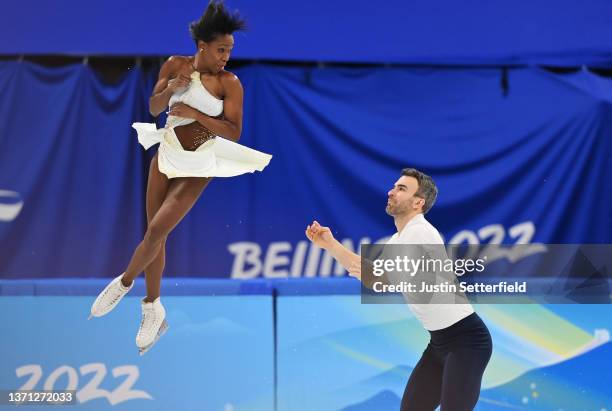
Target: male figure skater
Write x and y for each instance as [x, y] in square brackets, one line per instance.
[450, 370]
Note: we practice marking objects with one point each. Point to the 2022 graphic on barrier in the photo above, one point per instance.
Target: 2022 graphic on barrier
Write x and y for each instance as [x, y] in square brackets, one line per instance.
[332, 353]
[217, 355]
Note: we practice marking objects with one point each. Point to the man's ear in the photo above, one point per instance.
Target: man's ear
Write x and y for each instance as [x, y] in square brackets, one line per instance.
[420, 203]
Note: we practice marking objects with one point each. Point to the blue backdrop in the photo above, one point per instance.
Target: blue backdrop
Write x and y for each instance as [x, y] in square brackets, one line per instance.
[527, 164]
[554, 32]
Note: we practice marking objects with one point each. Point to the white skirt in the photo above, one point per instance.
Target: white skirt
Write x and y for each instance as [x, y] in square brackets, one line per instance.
[218, 157]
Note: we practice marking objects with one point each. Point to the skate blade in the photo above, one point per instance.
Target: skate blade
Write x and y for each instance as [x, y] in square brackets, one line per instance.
[162, 330]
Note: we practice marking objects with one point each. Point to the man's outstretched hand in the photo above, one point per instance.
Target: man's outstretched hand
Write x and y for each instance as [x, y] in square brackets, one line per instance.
[320, 236]
[323, 237]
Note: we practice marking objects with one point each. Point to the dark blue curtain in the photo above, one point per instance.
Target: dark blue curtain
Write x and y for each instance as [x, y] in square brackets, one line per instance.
[529, 162]
[69, 153]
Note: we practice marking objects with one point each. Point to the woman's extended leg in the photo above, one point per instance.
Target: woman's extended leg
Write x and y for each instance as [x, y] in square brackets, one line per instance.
[181, 196]
[157, 188]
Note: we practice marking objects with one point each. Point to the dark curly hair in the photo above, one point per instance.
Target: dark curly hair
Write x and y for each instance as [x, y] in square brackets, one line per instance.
[217, 20]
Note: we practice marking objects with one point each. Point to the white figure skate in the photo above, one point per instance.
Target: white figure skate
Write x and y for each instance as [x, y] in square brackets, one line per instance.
[109, 298]
[152, 326]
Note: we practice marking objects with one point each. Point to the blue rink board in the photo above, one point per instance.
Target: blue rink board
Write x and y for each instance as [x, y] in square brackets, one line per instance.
[332, 353]
[358, 357]
[217, 354]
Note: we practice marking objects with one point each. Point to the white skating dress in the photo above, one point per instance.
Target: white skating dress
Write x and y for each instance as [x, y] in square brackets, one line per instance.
[218, 157]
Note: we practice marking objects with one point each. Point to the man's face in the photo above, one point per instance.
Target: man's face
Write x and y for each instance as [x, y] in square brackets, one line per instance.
[401, 198]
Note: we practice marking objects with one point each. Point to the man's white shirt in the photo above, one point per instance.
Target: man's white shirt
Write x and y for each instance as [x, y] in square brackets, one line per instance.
[432, 316]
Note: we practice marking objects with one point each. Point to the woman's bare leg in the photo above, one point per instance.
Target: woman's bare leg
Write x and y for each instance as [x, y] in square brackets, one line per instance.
[157, 188]
[181, 196]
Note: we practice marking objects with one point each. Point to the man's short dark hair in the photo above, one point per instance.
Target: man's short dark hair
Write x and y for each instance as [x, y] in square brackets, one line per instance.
[427, 188]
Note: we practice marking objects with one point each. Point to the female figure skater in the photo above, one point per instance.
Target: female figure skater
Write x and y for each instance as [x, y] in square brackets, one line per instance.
[197, 143]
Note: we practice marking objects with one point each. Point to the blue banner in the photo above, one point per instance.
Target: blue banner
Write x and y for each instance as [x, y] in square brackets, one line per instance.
[523, 164]
[479, 32]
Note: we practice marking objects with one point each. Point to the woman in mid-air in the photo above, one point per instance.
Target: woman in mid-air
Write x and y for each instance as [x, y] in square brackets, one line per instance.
[198, 142]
